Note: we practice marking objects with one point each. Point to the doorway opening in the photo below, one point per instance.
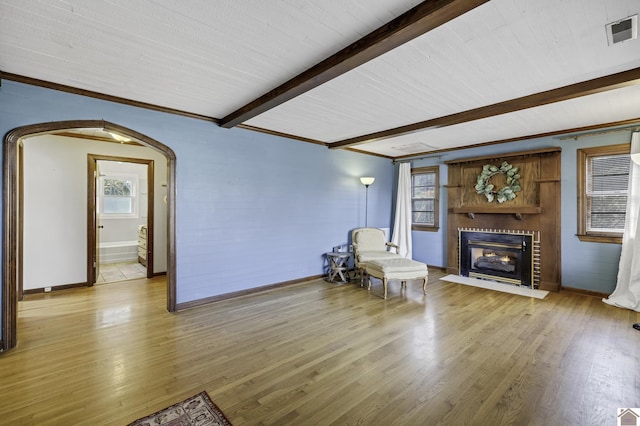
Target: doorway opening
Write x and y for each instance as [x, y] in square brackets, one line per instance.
[14, 209]
[120, 218]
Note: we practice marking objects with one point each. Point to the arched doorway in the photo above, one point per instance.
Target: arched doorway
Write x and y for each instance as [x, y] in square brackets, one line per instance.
[11, 239]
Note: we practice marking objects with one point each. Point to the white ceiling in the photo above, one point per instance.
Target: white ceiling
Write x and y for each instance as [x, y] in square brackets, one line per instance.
[211, 58]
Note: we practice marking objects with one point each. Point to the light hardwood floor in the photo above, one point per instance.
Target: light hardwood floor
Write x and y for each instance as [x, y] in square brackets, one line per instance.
[320, 354]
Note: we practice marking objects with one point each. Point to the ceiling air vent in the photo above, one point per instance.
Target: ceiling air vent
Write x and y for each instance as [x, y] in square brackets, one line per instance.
[622, 30]
[414, 147]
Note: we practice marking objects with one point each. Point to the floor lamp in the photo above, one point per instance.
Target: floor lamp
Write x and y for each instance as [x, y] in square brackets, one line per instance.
[366, 181]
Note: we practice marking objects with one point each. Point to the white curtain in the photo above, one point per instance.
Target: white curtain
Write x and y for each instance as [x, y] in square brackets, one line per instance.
[402, 224]
[627, 292]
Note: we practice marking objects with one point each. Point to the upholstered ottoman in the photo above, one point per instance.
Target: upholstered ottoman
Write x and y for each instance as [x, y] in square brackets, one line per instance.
[397, 269]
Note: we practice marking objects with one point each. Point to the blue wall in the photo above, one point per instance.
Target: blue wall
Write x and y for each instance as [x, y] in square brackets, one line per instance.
[585, 265]
[252, 209]
[255, 209]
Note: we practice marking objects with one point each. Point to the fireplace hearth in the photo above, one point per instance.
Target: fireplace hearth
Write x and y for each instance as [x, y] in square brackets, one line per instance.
[503, 256]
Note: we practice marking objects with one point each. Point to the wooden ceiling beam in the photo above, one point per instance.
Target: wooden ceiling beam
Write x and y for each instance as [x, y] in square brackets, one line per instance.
[417, 21]
[572, 91]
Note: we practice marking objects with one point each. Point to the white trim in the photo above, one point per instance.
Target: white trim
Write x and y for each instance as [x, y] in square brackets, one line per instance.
[119, 244]
[493, 285]
[135, 198]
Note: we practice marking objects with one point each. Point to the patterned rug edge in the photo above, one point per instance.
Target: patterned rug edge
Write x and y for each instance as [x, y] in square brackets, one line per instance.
[197, 410]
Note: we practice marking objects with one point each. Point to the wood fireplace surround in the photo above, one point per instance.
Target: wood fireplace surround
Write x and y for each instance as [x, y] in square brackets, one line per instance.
[536, 206]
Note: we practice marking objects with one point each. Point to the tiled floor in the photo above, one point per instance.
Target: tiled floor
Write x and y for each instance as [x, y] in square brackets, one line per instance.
[120, 272]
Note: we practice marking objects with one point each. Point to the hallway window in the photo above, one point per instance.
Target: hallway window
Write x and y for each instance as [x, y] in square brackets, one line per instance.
[118, 196]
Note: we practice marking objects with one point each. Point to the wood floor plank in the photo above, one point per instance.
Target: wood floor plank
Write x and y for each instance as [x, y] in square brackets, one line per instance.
[320, 353]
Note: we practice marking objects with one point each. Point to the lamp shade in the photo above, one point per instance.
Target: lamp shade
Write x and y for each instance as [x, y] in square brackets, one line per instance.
[634, 157]
[367, 180]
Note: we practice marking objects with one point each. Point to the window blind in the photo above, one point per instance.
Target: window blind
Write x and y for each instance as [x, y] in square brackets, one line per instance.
[423, 198]
[607, 185]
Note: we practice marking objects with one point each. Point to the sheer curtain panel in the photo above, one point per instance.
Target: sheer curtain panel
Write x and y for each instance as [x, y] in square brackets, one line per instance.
[402, 223]
[627, 292]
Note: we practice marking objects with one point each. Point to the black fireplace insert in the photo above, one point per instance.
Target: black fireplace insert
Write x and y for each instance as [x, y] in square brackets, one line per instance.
[497, 256]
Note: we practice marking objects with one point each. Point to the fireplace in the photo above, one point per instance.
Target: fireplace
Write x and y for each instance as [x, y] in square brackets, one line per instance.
[504, 256]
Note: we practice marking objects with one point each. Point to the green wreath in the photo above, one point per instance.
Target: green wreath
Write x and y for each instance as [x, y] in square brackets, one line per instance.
[505, 193]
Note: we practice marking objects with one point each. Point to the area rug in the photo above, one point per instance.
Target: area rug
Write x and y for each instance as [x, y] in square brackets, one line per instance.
[198, 410]
[492, 285]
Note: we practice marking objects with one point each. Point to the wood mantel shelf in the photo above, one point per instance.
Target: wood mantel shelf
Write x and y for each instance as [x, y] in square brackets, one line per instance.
[518, 211]
[498, 209]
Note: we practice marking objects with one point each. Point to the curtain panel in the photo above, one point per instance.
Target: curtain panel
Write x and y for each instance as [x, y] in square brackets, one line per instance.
[402, 223]
[627, 291]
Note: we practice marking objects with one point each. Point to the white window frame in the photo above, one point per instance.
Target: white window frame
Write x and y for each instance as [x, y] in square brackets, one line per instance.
[135, 199]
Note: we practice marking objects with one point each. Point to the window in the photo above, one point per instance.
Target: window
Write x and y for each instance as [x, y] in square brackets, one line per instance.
[118, 196]
[424, 198]
[603, 181]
